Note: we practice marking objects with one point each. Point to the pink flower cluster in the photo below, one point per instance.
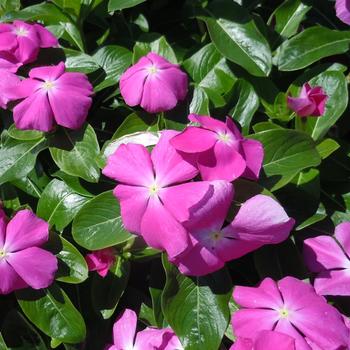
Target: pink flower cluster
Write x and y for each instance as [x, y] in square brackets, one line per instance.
[163, 200]
[43, 98]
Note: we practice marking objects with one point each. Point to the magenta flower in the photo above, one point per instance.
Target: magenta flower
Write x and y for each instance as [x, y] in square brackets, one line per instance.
[259, 221]
[342, 8]
[265, 340]
[153, 196]
[21, 41]
[101, 261]
[153, 83]
[310, 103]
[329, 258]
[22, 262]
[47, 102]
[291, 307]
[124, 331]
[222, 152]
[8, 81]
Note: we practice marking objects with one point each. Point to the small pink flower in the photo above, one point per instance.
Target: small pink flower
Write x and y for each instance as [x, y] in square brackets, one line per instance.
[260, 220]
[153, 83]
[265, 340]
[222, 152]
[8, 81]
[328, 257]
[291, 307]
[21, 41]
[153, 195]
[51, 96]
[126, 338]
[342, 8]
[310, 103]
[101, 260]
[22, 262]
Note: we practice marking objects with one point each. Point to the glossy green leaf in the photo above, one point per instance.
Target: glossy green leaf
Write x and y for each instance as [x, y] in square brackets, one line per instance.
[77, 61]
[98, 223]
[24, 135]
[75, 152]
[114, 5]
[237, 37]
[327, 147]
[196, 308]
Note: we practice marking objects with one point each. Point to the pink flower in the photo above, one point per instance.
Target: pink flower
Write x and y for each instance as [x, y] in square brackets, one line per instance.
[260, 220]
[153, 83]
[52, 95]
[8, 81]
[265, 340]
[342, 8]
[222, 152]
[101, 261]
[329, 258]
[310, 103]
[21, 41]
[124, 331]
[291, 307]
[22, 263]
[153, 200]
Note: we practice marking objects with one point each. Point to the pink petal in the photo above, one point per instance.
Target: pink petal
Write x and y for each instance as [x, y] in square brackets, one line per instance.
[100, 261]
[131, 86]
[7, 41]
[130, 164]
[266, 295]
[26, 230]
[124, 330]
[159, 61]
[170, 167]
[222, 162]
[10, 280]
[301, 106]
[323, 253]
[133, 204]
[3, 224]
[27, 50]
[342, 8]
[176, 80]
[9, 63]
[6, 27]
[243, 344]
[50, 73]
[342, 234]
[151, 338]
[208, 123]
[261, 219]
[75, 81]
[194, 140]
[333, 282]
[70, 110]
[247, 322]
[26, 88]
[36, 266]
[161, 231]
[34, 113]
[273, 341]
[47, 39]
[8, 82]
[253, 153]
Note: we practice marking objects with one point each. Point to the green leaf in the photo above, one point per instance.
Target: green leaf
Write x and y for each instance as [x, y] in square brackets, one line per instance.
[114, 5]
[59, 204]
[2, 343]
[17, 158]
[114, 60]
[288, 17]
[75, 152]
[53, 313]
[24, 135]
[237, 37]
[74, 35]
[107, 291]
[311, 45]
[77, 61]
[98, 224]
[196, 308]
[287, 151]
[335, 86]
[327, 147]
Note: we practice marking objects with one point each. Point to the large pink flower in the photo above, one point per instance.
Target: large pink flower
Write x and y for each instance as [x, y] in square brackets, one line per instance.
[101, 261]
[265, 340]
[20, 42]
[222, 152]
[22, 263]
[311, 101]
[124, 331]
[259, 221]
[153, 83]
[342, 8]
[8, 81]
[153, 202]
[51, 96]
[292, 307]
[329, 257]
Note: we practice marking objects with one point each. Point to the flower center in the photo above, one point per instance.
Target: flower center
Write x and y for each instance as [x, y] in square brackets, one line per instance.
[224, 137]
[152, 70]
[3, 254]
[21, 31]
[284, 313]
[48, 85]
[216, 236]
[153, 189]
